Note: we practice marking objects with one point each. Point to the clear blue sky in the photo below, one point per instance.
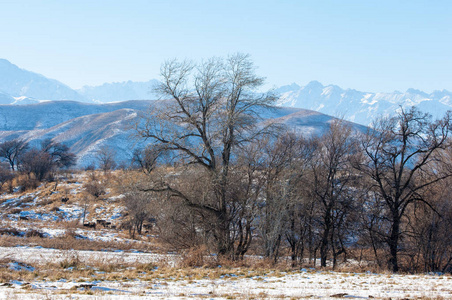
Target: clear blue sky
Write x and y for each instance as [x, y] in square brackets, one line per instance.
[363, 44]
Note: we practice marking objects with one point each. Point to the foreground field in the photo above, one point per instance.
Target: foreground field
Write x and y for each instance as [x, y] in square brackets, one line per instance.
[38, 273]
[46, 252]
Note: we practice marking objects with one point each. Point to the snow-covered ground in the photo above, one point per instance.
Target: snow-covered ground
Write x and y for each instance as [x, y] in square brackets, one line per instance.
[304, 283]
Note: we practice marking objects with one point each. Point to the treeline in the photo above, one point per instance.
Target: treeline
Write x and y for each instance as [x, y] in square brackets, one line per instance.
[37, 163]
[238, 183]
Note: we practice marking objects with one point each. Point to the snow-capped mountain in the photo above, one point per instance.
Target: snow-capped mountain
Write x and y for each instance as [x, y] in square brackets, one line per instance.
[120, 91]
[360, 107]
[19, 87]
[17, 82]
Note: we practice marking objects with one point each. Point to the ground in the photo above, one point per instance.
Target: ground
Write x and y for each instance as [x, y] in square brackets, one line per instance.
[61, 274]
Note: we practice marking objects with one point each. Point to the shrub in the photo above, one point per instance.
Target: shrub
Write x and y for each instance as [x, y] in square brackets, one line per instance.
[34, 233]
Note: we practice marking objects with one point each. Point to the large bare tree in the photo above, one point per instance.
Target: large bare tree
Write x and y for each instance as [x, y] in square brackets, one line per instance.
[399, 158]
[213, 110]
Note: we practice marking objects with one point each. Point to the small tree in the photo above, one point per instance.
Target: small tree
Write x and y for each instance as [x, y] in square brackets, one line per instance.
[60, 154]
[139, 208]
[37, 162]
[12, 150]
[146, 159]
[5, 174]
[106, 158]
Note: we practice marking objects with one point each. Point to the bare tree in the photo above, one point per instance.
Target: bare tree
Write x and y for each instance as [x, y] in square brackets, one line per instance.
[281, 167]
[204, 123]
[328, 185]
[147, 158]
[12, 150]
[60, 154]
[397, 151]
[106, 158]
[38, 163]
[139, 208]
[6, 175]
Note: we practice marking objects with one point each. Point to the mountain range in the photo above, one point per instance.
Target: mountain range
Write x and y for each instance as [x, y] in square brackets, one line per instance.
[19, 86]
[361, 107]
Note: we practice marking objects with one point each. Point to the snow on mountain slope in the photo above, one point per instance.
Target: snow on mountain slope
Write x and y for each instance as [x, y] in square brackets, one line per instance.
[47, 114]
[18, 82]
[24, 100]
[86, 134]
[120, 91]
[361, 107]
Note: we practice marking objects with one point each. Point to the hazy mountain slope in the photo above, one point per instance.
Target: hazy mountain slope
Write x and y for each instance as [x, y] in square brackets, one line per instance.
[361, 107]
[86, 127]
[87, 133]
[120, 91]
[48, 114]
[18, 82]
[5, 98]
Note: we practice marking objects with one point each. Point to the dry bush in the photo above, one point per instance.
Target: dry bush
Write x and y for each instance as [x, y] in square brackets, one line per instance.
[15, 211]
[25, 200]
[194, 257]
[55, 208]
[34, 233]
[27, 183]
[46, 201]
[5, 275]
[10, 231]
[94, 188]
[71, 260]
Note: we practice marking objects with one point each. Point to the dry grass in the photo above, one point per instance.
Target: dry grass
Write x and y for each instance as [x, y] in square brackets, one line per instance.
[71, 241]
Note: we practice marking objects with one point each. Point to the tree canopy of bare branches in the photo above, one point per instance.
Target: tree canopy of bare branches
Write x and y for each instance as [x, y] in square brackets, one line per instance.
[399, 157]
[213, 110]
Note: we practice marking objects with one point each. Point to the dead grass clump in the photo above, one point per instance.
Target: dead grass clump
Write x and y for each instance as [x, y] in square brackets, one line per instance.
[5, 275]
[194, 257]
[25, 200]
[72, 224]
[10, 231]
[15, 211]
[54, 208]
[34, 233]
[71, 260]
[27, 183]
[94, 188]
[46, 201]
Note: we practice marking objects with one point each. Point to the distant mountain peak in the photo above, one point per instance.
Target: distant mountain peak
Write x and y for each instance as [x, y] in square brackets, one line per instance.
[120, 91]
[415, 91]
[5, 61]
[314, 84]
[18, 82]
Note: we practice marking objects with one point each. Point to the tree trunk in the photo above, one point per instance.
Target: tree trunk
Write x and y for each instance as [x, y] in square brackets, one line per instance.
[324, 243]
[223, 238]
[393, 243]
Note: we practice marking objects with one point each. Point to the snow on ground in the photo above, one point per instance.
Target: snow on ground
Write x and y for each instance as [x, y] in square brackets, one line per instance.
[42, 256]
[299, 284]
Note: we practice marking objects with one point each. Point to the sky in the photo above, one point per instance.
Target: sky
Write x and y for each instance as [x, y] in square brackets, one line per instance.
[373, 46]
